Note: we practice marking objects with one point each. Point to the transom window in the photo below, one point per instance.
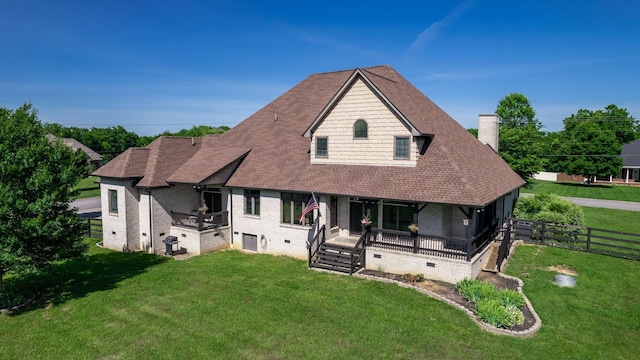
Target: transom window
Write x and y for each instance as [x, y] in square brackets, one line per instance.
[322, 147]
[401, 147]
[252, 202]
[360, 129]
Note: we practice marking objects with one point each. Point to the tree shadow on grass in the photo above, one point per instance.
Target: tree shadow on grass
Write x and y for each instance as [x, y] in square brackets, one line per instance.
[75, 279]
[580, 185]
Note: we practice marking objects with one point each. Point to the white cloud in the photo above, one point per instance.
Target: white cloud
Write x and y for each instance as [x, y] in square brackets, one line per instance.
[432, 31]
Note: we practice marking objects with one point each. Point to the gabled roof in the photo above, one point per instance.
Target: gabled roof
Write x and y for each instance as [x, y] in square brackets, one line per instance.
[213, 157]
[631, 154]
[358, 75]
[77, 145]
[269, 152]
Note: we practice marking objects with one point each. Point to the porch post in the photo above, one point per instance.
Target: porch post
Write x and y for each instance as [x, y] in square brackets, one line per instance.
[199, 189]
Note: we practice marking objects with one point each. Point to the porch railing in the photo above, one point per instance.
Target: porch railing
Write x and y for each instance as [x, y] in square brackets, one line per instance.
[199, 220]
[447, 247]
[315, 243]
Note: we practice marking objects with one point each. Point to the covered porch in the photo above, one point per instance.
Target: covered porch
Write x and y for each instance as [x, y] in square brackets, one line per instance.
[405, 237]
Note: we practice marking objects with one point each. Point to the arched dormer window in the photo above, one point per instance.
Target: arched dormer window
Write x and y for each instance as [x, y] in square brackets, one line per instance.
[360, 129]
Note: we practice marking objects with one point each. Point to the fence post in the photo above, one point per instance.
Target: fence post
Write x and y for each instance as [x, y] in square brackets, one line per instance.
[542, 231]
[88, 227]
[414, 237]
[588, 239]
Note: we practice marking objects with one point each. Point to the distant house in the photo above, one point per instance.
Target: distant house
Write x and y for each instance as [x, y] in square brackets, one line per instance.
[376, 154]
[631, 162]
[94, 158]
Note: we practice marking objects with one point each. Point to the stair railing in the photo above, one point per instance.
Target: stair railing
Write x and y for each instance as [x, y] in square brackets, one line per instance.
[316, 243]
[357, 254]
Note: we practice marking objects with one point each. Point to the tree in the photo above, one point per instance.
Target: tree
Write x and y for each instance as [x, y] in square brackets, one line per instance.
[592, 140]
[520, 139]
[515, 110]
[37, 177]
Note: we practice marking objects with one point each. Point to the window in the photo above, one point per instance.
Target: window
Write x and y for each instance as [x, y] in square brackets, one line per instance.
[113, 201]
[401, 148]
[396, 216]
[292, 206]
[360, 129]
[322, 147]
[252, 202]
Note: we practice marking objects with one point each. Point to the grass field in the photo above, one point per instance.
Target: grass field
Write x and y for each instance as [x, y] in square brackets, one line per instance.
[88, 188]
[596, 191]
[229, 305]
[612, 219]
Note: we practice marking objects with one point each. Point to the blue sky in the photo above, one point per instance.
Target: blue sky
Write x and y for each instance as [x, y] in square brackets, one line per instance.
[165, 65]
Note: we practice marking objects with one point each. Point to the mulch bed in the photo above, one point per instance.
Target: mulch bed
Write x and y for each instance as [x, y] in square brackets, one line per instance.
[449, 291]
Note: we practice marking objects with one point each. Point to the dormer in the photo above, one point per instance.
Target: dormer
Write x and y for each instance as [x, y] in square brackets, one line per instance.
[360, 126]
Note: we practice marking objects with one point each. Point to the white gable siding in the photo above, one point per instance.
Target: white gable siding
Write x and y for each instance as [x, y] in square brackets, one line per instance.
[383, 126]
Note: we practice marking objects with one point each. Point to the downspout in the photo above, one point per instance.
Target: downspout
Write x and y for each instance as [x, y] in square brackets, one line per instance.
[151, 248]
[230, 212]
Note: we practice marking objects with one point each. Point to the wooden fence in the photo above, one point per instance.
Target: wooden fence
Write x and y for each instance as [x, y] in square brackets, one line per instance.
[93, 228]
[599, 241]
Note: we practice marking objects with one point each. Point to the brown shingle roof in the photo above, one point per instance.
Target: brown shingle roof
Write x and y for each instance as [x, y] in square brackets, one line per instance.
[77, 145]
[456, 169]
[129, 164]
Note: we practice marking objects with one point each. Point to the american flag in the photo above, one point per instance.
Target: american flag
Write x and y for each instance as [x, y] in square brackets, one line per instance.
[311, 205]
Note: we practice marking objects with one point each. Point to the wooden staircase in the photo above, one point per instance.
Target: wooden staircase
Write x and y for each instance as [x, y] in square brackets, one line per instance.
[335, 257]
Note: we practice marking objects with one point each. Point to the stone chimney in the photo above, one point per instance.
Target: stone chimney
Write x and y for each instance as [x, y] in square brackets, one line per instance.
[488, 126]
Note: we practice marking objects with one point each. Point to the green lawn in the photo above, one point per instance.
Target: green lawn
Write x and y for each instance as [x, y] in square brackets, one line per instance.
[229, 305]
[88, 188]
[607, 192]
[612, 219]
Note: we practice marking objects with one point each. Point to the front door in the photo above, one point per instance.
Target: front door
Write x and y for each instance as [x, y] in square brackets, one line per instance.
[356, 211]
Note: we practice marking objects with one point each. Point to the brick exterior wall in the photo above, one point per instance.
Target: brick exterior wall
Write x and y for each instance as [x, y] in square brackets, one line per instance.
[200, 242]
[383, 126]
[273, 236]
[436, 268]
[119, 231]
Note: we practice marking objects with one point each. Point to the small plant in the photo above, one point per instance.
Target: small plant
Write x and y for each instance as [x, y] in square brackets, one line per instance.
[413, 278]
[413, 228]
[476, 290]
[203, 209]
[511, 298]
[492, 312]
[515, 315]
[366, 220]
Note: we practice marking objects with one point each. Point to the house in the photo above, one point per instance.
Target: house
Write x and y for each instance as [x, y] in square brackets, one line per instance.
[631, 162]
[370, 148]
[95, 159]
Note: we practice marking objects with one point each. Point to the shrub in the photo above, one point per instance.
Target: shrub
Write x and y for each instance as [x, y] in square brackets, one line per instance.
[8, 300]
[514, 315]
[549, 208]
[511, 298]
[492, 312]
[413, 278]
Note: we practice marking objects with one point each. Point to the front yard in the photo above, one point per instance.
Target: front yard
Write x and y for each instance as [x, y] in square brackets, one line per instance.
[595, 191]
[233, 305]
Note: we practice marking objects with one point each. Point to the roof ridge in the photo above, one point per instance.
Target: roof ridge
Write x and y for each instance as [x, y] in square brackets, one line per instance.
[378, 75]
